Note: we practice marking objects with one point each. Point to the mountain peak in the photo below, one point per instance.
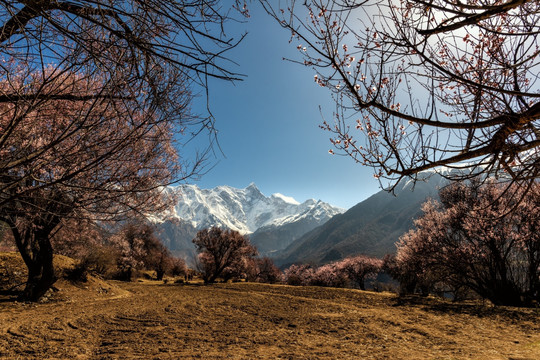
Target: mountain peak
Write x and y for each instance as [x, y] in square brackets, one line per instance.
[244, 210]
[252, 186]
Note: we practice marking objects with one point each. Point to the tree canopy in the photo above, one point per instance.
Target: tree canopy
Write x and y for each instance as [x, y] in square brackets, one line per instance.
[421, 85]
[95, 99]
[138, 60]
[223, 253]
[469, 241]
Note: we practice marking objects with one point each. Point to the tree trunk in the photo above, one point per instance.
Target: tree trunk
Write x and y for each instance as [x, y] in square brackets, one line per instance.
[505, 294]
[40, 269]
[210, 279]
[159, 274]
[361, 283]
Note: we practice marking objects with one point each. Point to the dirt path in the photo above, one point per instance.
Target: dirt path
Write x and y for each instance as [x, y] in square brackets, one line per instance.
[255, 321]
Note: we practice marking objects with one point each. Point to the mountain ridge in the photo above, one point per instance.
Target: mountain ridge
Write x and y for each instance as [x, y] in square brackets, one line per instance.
[371, 227]
[245, 210]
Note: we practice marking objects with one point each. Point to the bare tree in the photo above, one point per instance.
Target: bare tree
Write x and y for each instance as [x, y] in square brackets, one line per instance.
[429, 83]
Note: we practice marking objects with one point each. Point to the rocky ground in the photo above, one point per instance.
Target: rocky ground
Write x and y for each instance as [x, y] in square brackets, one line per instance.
[153, 320]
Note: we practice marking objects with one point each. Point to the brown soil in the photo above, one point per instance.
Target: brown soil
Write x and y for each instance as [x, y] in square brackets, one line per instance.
[151, 320]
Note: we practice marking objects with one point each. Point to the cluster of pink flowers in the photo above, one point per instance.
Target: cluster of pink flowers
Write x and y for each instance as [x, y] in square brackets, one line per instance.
[350, 272]
[223, 253]
[480, 237]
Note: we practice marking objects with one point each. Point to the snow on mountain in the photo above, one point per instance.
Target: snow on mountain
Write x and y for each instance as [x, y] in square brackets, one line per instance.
[317, 210]
[287, 199]
[244, 210]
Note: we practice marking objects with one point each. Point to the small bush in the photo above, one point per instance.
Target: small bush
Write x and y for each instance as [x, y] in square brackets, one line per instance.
[79, 273]
[101, 260]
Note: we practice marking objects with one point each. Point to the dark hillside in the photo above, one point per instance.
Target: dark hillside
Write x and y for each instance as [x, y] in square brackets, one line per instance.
[371, 227]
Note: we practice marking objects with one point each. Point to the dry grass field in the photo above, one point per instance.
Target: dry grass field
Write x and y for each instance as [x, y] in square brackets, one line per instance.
[153, 320]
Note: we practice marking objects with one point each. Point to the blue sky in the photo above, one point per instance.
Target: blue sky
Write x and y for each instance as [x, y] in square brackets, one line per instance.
[269, 125]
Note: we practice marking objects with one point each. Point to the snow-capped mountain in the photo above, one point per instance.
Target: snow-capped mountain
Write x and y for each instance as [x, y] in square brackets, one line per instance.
[244, 210]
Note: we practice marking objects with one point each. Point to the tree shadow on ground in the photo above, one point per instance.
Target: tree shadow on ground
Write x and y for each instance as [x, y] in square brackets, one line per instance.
[477, 308]
[7, 296]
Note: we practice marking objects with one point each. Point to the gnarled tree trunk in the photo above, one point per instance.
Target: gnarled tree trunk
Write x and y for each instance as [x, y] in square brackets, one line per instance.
[40, 270]
[36, 250]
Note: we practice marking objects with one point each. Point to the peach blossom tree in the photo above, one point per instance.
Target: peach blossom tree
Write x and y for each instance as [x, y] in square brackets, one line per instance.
[95, 157]
[94, 99]
[223, 253]
[473, 240]
[139, 248]
[349, 272]
[298, 275]
[359, 268]
[263, 270]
